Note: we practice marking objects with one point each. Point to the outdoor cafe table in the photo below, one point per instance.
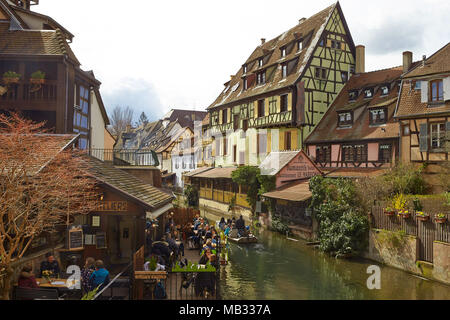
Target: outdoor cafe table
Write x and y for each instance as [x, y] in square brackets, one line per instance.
[54, 283]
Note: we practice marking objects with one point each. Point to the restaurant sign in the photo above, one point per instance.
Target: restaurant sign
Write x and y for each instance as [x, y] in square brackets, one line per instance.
[106, 206]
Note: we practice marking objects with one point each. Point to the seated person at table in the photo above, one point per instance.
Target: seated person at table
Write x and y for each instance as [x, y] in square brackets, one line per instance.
[88, 270]
[161, 248]
[172, 244]
[100, 277]
[50, 265]
[27, 279]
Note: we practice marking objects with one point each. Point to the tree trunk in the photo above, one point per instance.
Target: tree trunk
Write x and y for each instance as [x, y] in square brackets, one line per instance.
[6, 286]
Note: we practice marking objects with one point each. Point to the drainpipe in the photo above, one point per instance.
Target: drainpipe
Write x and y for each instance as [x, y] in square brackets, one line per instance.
[67, 94]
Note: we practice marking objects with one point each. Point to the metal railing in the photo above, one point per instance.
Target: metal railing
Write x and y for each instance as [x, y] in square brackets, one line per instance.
[109, 288]
[124, 157]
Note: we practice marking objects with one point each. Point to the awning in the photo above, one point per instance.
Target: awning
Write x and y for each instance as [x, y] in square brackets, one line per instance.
[355, 173]
[216, 173]
[155, 214]
[295, 192]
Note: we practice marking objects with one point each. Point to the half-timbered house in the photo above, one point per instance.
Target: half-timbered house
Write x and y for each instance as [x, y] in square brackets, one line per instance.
[359, 131]
[423, 110]
[282, 90]
[64, 95]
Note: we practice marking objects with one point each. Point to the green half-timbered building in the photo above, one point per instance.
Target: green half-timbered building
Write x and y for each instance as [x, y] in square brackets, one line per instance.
[282, 90]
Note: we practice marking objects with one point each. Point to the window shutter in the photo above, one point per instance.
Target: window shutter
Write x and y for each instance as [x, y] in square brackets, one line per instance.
[423, 137]
[424, 91]
[447, 136]
[329, 43]
[229, 115]
[342, 45]
[447, 89]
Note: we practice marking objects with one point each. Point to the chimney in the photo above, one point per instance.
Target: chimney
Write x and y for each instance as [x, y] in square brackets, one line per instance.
[263, 40]
[424, 58]
[301, 20]
[407, 60]
[360, 59]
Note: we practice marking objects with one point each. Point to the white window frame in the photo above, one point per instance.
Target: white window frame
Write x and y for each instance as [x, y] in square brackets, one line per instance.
[437, 135]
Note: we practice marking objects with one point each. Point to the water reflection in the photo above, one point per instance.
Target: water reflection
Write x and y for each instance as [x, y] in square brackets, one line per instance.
[277, 268]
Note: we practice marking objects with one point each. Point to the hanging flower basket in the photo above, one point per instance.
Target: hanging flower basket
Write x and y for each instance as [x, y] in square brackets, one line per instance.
[422, 216]
[37, 81]
[404, 214]
[8, 81]
[440, 219]
[11, 77]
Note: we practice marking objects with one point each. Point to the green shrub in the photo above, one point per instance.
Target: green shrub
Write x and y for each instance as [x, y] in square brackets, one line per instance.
[278, 225]
[343, 224]
[192, 197]
[38, 75]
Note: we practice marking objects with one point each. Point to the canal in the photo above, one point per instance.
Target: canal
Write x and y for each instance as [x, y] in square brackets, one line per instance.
[277, 268]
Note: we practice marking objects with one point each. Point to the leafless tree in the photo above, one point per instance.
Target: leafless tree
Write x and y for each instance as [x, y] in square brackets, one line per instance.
[41, 187]
[121, 118]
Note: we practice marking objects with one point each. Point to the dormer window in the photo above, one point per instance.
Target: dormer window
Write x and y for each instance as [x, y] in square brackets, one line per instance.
[437, 93]
[368, 93]
[352, 95]
[345, 119]
[377, 116]
[260, 62]
[261, 77]
[283, 52]
[418, 85]
[300, 45]
[284, 70]
[384, 90]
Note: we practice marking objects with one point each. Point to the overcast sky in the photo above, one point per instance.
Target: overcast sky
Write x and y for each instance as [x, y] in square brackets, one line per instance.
[158, 55]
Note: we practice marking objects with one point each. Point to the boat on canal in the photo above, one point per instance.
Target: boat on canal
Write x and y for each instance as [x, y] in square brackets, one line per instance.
[234, 237]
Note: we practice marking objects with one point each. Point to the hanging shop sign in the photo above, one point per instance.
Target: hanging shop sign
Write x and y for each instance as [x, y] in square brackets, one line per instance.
[107, 206]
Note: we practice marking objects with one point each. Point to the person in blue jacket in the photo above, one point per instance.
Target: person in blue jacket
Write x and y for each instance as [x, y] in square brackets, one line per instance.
[100, 277]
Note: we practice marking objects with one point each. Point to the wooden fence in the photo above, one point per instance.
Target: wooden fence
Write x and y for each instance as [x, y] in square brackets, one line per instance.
[183, 216]
[426, 231]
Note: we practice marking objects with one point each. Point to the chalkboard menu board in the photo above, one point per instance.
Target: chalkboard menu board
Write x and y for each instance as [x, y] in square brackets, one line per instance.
[100, 239]
[76, 239]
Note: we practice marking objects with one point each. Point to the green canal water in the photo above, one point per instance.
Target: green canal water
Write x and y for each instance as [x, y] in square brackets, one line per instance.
[281, 269]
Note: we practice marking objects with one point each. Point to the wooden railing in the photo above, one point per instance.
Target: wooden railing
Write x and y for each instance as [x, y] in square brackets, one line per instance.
[26, 91]
[426, 231]
[126, 157]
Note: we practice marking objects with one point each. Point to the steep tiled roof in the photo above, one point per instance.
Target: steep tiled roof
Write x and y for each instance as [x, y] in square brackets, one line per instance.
[410, 102]
[437, 63]
[128, 184]
[34, 42]
[55, 143]
[327, 130]
[186, 118]
[309, 30]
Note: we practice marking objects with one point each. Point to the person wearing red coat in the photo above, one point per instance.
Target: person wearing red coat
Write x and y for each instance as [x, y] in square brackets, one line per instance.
[27, 279]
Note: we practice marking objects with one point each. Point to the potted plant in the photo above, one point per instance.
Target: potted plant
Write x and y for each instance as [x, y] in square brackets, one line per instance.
[389, 211]
[404, 214]
[440, 218]
[422, 216]
[37, 77]
[10, 77]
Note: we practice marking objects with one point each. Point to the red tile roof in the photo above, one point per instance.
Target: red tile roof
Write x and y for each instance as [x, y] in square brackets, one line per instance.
[327, 129]
[410, 102]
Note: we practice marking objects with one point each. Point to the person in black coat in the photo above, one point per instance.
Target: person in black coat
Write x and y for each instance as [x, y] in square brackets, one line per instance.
[50, 264]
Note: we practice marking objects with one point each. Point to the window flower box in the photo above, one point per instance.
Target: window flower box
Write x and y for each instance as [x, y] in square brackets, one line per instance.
[11, 77]
[37, 77]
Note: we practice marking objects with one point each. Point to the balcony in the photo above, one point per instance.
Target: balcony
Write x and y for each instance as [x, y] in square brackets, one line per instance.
[124, 157]
[26, 96]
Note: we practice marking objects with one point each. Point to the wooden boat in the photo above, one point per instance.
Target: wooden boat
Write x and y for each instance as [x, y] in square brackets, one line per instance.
[243, 240]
